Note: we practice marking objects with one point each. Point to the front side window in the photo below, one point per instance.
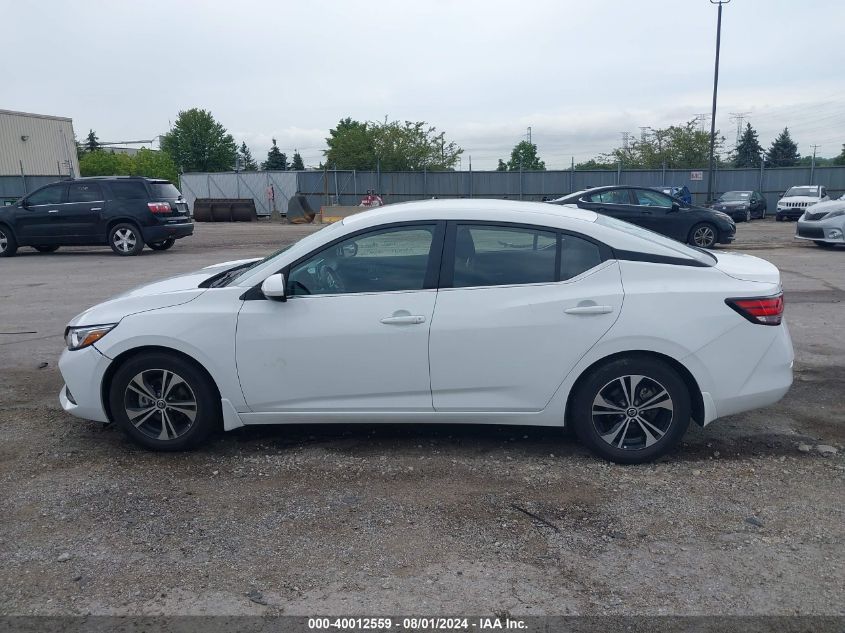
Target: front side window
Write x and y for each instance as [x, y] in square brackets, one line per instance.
[128, 190]
[48, 195]
[496, 256]
[84, 192]
[386, 260]
[614, 196]
[647, 198]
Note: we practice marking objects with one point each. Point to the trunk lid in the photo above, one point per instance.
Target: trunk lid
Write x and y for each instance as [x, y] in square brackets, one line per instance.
[166, 191]
[747, 267]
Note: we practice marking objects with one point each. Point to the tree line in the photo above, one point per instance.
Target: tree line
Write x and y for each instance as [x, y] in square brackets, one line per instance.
[199, 143]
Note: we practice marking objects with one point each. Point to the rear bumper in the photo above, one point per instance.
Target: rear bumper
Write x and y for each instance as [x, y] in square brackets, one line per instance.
[83, 371]
[167, 231]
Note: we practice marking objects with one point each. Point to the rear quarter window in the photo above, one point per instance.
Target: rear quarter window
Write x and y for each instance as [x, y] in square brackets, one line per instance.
[164, 190]
[129, 190]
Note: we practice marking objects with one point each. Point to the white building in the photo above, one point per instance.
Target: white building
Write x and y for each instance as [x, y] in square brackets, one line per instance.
[37, 145]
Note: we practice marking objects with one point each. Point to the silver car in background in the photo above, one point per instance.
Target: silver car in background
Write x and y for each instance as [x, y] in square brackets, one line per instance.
[823, 223]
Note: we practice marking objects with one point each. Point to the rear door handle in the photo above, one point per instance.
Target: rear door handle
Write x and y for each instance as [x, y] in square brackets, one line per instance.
[96, 208]
[410, 319]
[53, 211]
[593, 309]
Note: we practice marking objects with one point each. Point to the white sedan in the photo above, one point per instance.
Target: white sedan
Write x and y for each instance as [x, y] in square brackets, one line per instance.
[447, 311]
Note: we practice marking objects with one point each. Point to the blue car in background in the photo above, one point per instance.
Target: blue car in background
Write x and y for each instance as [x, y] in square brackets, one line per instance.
[682, 192]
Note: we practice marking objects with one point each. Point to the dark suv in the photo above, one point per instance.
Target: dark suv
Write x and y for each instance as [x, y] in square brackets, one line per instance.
[124, 212]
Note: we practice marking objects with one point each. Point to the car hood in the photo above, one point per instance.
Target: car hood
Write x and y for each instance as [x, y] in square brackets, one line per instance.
[828, 205]
[746, 267]
[731, 203]
[802, 199]
[164, 293]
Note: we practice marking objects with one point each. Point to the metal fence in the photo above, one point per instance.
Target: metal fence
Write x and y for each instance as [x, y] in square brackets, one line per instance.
[347, 187]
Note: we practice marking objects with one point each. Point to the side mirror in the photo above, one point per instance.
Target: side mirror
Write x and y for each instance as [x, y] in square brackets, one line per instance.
[675, 207]
[274, 287]
[780, 195]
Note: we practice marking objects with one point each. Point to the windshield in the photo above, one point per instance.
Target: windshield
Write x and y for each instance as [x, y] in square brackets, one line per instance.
[734, 196]
[164, 190]
[812, 192]
[698, 254]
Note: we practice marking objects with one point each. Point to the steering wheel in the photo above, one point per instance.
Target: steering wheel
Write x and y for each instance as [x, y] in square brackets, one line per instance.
[331, 280]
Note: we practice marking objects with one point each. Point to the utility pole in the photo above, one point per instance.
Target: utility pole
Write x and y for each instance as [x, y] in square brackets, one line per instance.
[813, 162]
[702, 121]
[529, 135]
[644, 130]
[715, 90]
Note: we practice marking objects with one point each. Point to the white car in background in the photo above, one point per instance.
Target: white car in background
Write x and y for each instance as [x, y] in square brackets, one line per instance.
[795, 201]
[823, 224]
[448, 311]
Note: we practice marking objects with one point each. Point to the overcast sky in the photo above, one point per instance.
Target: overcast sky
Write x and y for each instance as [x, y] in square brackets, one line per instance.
[579, 73]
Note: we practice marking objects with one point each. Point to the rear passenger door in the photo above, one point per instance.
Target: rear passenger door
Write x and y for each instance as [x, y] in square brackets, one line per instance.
[617, 203]
[82, 213]
[518, 307]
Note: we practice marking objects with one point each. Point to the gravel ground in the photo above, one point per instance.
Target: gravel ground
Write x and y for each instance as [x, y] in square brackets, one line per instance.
[746, 518]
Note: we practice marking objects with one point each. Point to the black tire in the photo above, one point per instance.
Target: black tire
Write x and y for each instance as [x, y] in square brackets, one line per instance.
[824, 244]
[163, 245]
[703, 235]
[605, 433]
[125, 239]
[46, 249]
[8, 243]
[748, 217]
[778, 218]
[178, 381]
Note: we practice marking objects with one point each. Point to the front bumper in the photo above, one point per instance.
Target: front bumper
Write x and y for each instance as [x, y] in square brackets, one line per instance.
[162, 232]
[726, 236]
[83, 371]
[791, 213]
[819, 232]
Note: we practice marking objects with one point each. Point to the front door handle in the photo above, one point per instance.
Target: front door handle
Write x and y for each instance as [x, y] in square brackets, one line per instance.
[96, 208]
[591, 309]
[405, 319]
[53, 211]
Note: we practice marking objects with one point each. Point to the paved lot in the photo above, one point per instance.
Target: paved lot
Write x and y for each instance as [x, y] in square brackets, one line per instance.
[413, 519]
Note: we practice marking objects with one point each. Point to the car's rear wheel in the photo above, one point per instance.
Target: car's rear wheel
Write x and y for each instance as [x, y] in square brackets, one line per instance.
[162, 245]
[703, 235]
[125, 239]
[8, 244]
[46, 249]
[631, 410]
[824, 244]
[748, 216]
[164, 402]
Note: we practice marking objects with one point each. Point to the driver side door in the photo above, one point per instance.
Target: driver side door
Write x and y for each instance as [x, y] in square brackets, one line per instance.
[353, 332]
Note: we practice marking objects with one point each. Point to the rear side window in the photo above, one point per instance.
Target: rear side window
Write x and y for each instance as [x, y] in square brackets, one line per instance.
[164, 190]
[577, 256]
[84, 192]
[48, 195]
[496, 256]
[128, 190]
[614, 196]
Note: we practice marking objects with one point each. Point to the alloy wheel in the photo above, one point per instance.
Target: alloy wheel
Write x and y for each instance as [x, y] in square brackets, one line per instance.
[632, 412]
[160, 404]
[4, 242]
[704, 236]
[125, 240]
[748, 216]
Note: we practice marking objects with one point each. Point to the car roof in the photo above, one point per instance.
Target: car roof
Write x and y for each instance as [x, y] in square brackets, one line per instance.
[486, 209]
[120, 178]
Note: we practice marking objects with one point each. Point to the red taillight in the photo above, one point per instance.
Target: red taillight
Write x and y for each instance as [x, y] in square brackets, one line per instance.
[762, 310]
[159, 207]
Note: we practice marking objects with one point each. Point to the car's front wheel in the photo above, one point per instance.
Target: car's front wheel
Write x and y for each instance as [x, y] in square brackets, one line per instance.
[164, 402]
[125, 239]
[162, 245]
[748, 216]
[703, 235]
[631, 410]
[8, 244]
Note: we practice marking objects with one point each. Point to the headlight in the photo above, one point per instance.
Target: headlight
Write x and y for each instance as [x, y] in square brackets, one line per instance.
[79, 337]
[835, 214]
[742, 207]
